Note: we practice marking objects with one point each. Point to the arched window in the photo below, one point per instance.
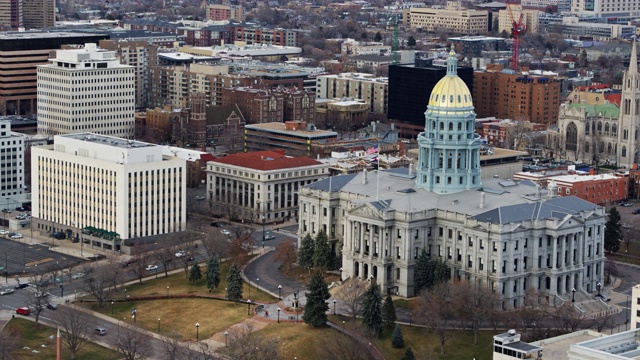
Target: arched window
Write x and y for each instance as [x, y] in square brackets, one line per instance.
[587, 128]
[624, 151]
[450, 161]
[601, 148]
[572, 137]
[606, 128]
[609, 149]
[600, 127]
[441, 125]
[586, 147]
[614, 129]
[459, 126]
[593, 126]
[440, 161]
[450, 126]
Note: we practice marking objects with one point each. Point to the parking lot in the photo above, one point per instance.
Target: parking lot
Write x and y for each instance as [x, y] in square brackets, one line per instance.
[18, 256]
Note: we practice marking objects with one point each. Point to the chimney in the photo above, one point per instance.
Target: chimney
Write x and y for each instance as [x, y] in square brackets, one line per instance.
[482, 200]
[364, 176]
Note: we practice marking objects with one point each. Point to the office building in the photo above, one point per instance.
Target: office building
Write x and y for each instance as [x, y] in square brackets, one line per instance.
[10, 15]
[260, 186]
[86, 90]
[453, 18]
[511, 236]
[12, 161]
[38, 14]
[510, 95]
[529, 18]
[607, 8]
[366, 87]
[296, 138]
[20, 54]
[113, 188]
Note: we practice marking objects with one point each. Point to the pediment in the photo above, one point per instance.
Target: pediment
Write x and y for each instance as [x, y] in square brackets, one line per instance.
[570, 221]
[367, 211]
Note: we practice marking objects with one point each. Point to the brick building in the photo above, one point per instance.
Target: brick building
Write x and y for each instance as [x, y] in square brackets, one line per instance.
[506, 133]
[225, 12]
[190, 128]
[281, 37]
[271, 105]
[515, 96]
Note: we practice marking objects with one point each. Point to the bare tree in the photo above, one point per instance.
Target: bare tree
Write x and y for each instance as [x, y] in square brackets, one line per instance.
[342, 346]
[131, 343]
[164, 256]
[436, 311]
[8, 343]
[39, 280]
[249, 345]
[75, 328]
[600, 322]
[173, 348]
[286, 254]
[475, 304]
[568, 318]
[102, 282]
[351, 294]
[138, 267]
[216, 245]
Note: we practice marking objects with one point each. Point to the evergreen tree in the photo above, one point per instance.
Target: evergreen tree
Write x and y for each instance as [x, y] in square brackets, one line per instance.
[378, 37]
[408, 354]
[423, 273]
[397, 340]
[411, 41]
[440, 272]
[195, 274]
[372, 310]
[613, 231]
[234, 283]
[315, 310]
[388, 310]
[321, 252]
[305, 253]
[213, 273]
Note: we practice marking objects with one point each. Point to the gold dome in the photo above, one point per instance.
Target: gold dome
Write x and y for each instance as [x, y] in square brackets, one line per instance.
[451, 92]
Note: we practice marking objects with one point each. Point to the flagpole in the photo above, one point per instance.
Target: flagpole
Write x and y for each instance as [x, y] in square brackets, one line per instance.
[378, 175]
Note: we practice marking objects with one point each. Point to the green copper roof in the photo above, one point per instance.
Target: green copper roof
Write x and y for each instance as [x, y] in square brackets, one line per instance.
[606, 110]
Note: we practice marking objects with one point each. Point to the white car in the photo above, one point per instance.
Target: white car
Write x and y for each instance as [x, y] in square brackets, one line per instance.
[6, 291]
[225, 231]
[17, 236]
[200, 197]
[4, 232]
[181, 253]
[77, 276]
[151, 267]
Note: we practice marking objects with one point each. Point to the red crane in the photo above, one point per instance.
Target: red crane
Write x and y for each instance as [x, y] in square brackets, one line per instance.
[518, 28]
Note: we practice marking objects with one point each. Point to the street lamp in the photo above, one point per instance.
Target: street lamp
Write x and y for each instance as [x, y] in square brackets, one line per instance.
[61, 291]
[158, 324]
[410, 318]
[125, 294]
[226, 338]
[340, 274]
[573, 295]
[197, 331]
[598, 285]
[248, 306]
[112, 308]
[249, 287]
[257, 283]
[75, 294]
[279, 315]
[263, 234]
[167, 291]
[280, 292]
[334, 306]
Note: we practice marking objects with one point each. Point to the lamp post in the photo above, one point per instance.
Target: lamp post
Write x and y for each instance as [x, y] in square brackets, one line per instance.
[598, 285]
[279, 315]
[226, 338]
[573, 295]
[167, 291]
[340, 274]
[410, 318]
[280, 292]
[248, 306]
[112, 308]
[249, 287]
[263, 234]
[158, 324]
[156, 272]
[125, 294]
[197, 331]
[75, 294]
[257, 283]
[61, 291]
[334, 306]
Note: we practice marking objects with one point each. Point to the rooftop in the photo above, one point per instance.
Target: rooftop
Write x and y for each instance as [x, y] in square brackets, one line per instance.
[580, 178]
[277, 127]
[25, 35]
[556, 347]
[108, 140]
[266, 160]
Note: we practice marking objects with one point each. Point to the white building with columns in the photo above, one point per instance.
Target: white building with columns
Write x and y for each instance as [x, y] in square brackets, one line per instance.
[109, 185]
[509, 234]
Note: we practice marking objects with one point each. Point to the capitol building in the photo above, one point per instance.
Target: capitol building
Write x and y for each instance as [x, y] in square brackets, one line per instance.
[510, 235]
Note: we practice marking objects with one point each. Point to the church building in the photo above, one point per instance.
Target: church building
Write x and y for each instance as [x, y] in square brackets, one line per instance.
[509, 235]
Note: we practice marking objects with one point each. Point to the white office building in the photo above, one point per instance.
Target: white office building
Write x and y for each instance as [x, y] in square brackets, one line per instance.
[107, 185]
[86, 90]
[11, 161]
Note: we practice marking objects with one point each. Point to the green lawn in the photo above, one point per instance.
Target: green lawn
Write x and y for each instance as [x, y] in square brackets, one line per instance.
[33, 338]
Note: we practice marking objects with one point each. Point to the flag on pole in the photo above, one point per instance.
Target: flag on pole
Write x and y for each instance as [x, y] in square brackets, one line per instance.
[374, 159]
[372, 150]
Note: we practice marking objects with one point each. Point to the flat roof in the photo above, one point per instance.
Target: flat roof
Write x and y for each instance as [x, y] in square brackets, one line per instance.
[579, 178]
[184, 56]
[108, 140]
[499, 153]
[21, 35]
[280, 128]
[556, 347]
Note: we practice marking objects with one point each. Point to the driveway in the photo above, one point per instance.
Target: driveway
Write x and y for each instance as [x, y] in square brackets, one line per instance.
[267, 270]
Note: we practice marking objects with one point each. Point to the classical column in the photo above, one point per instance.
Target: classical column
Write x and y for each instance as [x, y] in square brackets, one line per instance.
[555, 253]
[564, 249]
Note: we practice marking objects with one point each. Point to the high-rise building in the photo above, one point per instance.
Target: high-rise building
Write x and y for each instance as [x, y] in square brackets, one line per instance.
[623, 8]
[20, 54]
[516, 96]
[367, 87]
[512, 237]
[529, 18]
[86, 90]
[12, 161]
[141, 55]
[453, 18]
[218, 12]
[113, 188]
[10, 15]
[39, 14]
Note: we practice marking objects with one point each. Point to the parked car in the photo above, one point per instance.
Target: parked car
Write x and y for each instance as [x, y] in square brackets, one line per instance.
[101, 331]
[151, 267]
[40, 294]
[636, 211]
[225, 232]
[6, 210]
[215, 224]
[4, 232]
[96, 257]
[181, 253]
[23, 311]
[77, 276]
[200, 197]
[269, 237]
[626, 204]
[6, 291]
[17, 236]
[51, 306]
[22, 286]
[20, 208]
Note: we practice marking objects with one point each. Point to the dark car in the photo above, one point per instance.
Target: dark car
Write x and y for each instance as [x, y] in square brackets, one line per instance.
[22, 286]
[215, 224]
[51, 306]
[96, 257]
[20, 208]
[129, 262]
[636, 211]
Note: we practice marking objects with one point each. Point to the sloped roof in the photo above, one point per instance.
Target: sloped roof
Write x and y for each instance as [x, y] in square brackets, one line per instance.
[266, 160]
[219, 114]
[606, 110]
[336, 183]
[553, 208]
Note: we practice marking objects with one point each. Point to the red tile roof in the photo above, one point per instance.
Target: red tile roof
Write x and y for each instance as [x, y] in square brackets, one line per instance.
[614, 98]
[266, 160]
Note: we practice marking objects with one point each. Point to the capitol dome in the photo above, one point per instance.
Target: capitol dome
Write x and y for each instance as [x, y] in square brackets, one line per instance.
[451, 91]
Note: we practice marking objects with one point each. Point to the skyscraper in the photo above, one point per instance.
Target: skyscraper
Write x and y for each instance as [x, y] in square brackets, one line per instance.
[38, 14]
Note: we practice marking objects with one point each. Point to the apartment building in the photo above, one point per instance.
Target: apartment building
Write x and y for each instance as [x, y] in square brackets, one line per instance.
[529, 18]
[355, 48]
[516, 96]
[452, 18]
[86, 90]
[259, 36]
[20, 54]
[142, 56]
[225, 12]
[260, 186]
[112, 188]
[10, 15]
[271, 105]
[12, 161]
[38, 14]
[366, 87]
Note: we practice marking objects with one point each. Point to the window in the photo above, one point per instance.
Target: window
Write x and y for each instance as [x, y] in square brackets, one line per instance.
[470, 241]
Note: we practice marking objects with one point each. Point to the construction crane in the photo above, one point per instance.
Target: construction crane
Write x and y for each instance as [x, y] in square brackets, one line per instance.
[394, 20]
[518, 28]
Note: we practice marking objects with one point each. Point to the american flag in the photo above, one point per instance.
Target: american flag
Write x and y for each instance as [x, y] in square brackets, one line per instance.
[372, 150]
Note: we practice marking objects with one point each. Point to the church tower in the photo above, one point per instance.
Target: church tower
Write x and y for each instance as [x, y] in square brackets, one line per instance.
[629, 113]
[449, 150]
